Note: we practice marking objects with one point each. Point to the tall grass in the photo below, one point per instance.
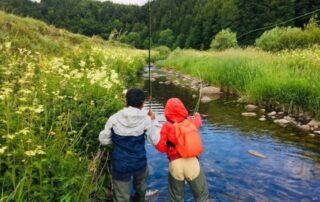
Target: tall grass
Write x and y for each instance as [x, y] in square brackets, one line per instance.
[57, 90]
[288, 77]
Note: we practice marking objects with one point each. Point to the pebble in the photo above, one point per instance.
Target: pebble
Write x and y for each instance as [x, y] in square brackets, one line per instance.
[281, 121]
[206, 99]
[251, 107]
[262, 110]
[262, 119]
[272, 113]
[249, 114]
[312, 135]
[257, 154]
[210, 90]
[317, 132]
[194, 96]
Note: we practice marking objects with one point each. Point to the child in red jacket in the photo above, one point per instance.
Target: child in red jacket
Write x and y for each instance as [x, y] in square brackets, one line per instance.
[181, 169]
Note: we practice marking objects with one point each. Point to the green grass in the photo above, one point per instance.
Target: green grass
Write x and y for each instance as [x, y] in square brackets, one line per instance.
[57, 90]
[289, 77]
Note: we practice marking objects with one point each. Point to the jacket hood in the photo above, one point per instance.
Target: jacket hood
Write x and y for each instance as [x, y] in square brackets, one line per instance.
[175, 111]
[131, 117]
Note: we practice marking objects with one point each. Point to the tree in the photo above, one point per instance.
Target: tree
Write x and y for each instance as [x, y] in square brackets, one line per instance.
[224, 39]
[166, 38]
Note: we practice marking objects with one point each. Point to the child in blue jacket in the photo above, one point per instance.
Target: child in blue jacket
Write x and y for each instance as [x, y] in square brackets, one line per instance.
[126, 131]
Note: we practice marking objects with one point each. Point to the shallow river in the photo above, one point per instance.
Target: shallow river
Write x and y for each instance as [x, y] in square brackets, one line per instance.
[291, 171]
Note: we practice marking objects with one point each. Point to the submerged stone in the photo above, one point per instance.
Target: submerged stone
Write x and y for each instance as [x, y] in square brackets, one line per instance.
[249, 114]
[206, 99]
[273, 113]
[257, 154]
[251, 107]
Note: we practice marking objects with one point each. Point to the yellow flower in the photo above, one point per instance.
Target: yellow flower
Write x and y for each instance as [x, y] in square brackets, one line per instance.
[7, 45]
[30, 153]
[82, 63]
[10, 137]
[39, 109]
[24, 131]
[40, 152]
[3, 149]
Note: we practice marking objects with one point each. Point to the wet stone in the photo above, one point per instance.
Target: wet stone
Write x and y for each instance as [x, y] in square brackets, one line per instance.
[251, 107]
[206, 99]
[262, 119]
[249, 114]
[272, 113]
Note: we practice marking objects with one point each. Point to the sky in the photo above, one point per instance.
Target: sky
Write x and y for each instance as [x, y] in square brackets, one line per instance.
[136, 2]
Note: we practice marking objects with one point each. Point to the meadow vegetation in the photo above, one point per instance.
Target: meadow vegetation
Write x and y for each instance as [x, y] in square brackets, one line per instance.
[57, 90]
[289, 77]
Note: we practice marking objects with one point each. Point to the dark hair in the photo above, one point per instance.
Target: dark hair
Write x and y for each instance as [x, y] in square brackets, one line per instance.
[135, 97]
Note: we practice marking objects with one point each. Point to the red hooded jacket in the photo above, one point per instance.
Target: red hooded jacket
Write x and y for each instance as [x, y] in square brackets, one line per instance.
[174, 111]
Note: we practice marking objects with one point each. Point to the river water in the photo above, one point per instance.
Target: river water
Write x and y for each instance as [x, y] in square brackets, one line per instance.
[291, 171]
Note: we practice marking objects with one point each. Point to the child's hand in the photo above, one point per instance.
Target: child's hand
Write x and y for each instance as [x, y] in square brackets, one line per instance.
[152, 115]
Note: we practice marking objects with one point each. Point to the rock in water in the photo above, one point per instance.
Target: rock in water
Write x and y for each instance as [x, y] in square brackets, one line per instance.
[151, 193]
[249, 114]
[272, 113]
[314, 124]
[282, 122]
[210, 90]
[251, 107]
[206, 99]
[257, 154]
[305, 128]
[317, 132]
[262, 119]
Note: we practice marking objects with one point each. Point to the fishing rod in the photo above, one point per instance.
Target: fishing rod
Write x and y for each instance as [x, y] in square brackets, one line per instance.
[149, 60]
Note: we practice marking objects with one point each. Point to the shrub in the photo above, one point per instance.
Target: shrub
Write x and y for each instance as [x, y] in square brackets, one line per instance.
[280, 38]
[163, 51]
[224, 39]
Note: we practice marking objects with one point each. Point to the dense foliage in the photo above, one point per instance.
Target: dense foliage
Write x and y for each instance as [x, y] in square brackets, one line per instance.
[57, 89]
[175, 23]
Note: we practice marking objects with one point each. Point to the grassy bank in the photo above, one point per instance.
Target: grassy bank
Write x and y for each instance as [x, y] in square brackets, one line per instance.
[291, 77]
[56, 91]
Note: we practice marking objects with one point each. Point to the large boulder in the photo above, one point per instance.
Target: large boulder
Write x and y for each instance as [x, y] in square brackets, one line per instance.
[210, 90]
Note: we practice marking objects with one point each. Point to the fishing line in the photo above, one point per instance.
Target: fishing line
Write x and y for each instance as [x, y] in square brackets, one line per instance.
[280, 23]
[196, 109]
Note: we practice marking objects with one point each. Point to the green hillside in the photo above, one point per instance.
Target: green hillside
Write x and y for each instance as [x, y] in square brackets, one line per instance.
[57, 89]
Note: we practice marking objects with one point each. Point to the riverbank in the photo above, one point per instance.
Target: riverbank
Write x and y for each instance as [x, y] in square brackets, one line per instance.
[284, 83]
[57, 90]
